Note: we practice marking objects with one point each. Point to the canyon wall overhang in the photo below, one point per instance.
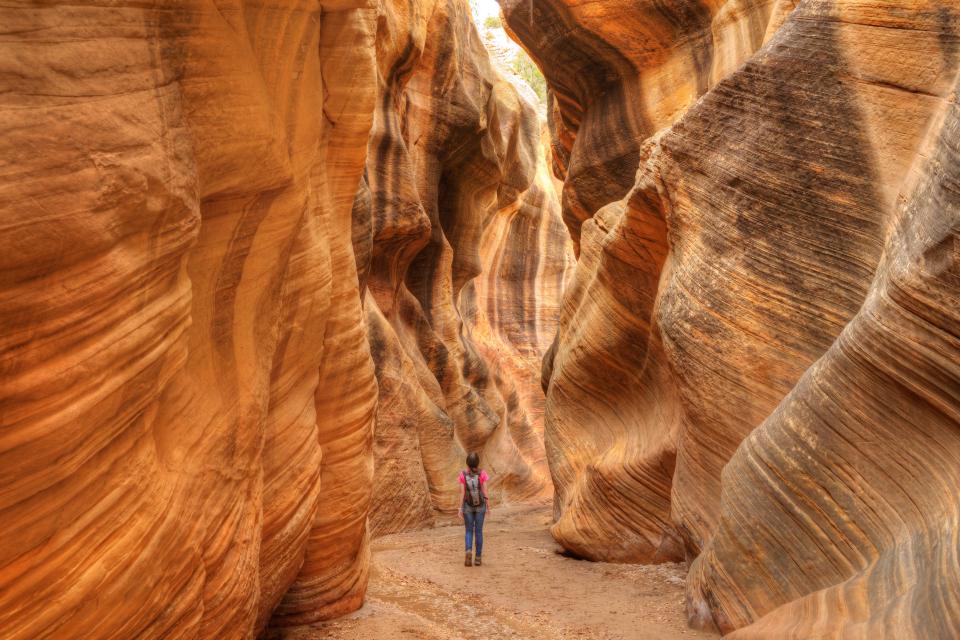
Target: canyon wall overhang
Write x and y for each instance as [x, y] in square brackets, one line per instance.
[187, 392]
[464, 258]
[758, 362]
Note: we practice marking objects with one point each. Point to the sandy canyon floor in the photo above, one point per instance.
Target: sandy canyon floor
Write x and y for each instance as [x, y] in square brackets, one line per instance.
[420, 589]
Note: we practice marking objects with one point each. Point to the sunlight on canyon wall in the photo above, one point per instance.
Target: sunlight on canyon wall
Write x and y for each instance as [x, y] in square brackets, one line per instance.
[758, 360]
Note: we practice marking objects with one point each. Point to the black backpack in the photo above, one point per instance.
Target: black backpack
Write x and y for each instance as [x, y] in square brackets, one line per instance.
[473, 493]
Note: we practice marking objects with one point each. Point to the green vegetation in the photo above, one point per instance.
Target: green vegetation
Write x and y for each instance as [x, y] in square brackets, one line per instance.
[492, 22]
[523, 66]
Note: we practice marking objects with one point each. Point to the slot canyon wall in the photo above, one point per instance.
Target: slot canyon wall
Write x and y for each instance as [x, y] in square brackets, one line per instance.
[465, 258]
[758, 363]
[248, 246]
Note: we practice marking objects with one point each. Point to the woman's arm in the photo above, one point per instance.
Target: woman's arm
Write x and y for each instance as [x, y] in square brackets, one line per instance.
[463, 488]
[483, 490]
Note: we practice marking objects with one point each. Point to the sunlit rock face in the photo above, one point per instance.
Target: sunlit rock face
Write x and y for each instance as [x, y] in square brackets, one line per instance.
[618, 73]
[210, 213]
[186, 390]
[465, 260]
[758, 362]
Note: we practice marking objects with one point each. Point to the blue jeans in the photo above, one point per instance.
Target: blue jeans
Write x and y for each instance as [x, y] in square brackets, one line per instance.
[473, 519]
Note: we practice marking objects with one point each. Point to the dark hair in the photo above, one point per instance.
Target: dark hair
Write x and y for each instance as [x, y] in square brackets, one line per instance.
[473, 460]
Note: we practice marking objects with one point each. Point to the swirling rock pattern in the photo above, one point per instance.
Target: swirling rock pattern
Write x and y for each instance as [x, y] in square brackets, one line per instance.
[467, 258]
[179, 454]
[196, 198]
[758, 361]
[621, 70]
[613, 421]
[173, 206]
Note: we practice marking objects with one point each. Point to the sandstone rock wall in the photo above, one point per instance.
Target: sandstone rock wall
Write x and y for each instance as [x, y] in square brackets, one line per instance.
[187, 392]
[758, 361]
[466, 263]
[620, 71]
[174, 338]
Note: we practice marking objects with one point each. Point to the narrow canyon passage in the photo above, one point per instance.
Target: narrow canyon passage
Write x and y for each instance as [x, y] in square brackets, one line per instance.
[685, 274]
[526, 590]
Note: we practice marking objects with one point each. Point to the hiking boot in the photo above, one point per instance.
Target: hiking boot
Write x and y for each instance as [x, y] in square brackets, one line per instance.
[477, 562]
[467, 561]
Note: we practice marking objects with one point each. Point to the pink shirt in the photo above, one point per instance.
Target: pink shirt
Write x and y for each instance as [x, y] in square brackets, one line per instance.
[483, 480]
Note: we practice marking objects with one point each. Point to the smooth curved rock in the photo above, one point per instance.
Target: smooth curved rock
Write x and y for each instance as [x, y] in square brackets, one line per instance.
[196, 198]
[176, 442]
[759, 354]
[621, 70]
[467, 258]
[613, 421]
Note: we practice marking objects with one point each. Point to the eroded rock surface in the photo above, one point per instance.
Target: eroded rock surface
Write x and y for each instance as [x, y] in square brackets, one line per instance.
[758, 361]
[468, 257]
[187, 392]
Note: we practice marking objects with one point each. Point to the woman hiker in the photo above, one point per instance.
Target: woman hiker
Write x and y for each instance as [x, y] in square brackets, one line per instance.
[473, 505]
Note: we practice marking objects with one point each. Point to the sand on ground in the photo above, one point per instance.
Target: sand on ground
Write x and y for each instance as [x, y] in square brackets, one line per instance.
[419, 589]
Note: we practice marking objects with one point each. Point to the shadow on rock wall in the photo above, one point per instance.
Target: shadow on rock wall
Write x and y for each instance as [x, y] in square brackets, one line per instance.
[758, 361]
[465, 262]
[187, 391]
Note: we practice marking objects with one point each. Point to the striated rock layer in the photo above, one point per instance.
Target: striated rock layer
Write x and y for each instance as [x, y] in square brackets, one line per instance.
[464, 261]
[613, 411]
[210, 213]
[188, 395]
[758, 362]
[187, 392]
